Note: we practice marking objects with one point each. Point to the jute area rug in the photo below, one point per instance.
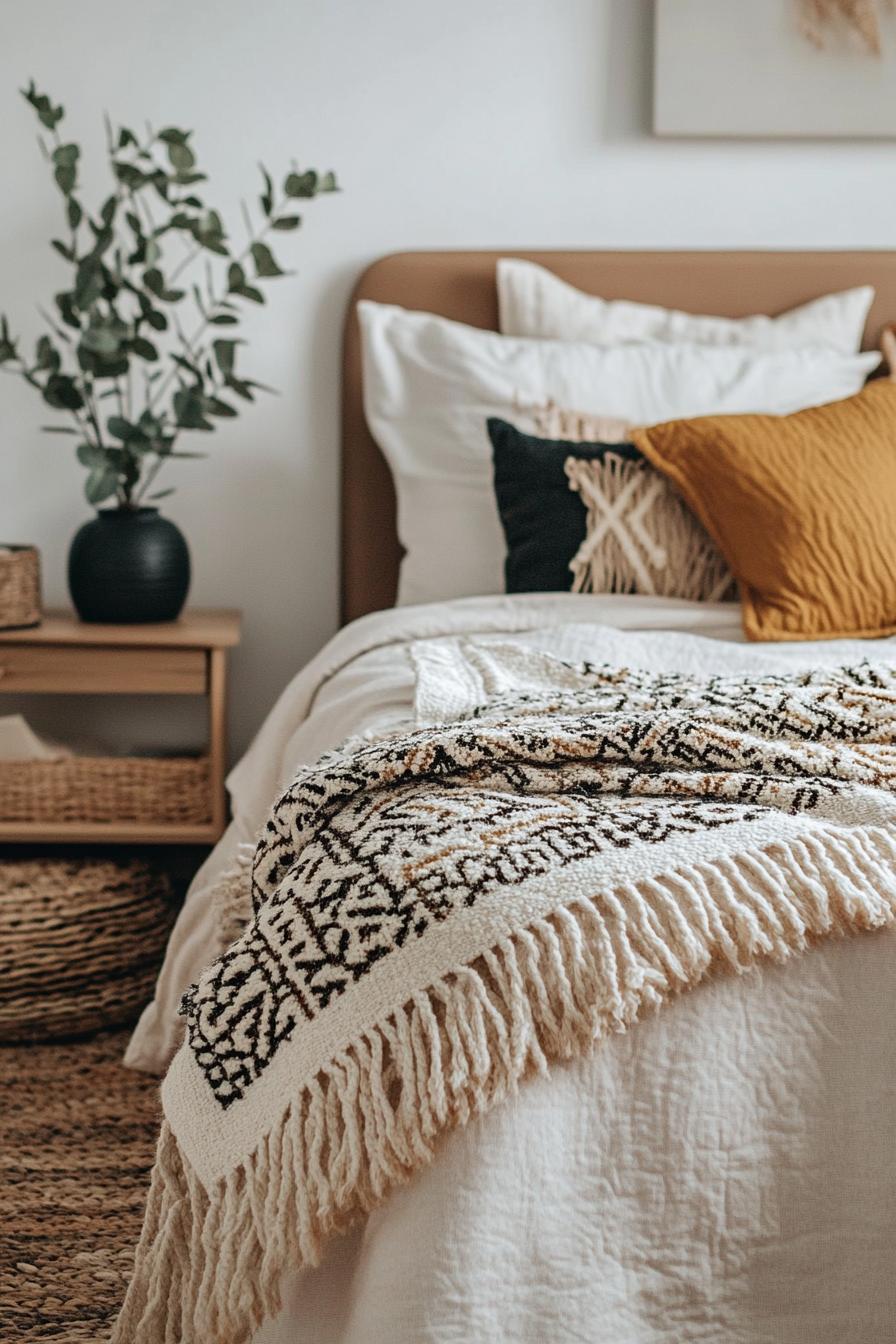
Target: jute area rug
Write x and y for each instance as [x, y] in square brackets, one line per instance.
[77, 1135]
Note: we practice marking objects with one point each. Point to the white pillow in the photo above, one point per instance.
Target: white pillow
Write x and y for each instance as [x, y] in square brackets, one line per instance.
[533, 301]
[430, 385]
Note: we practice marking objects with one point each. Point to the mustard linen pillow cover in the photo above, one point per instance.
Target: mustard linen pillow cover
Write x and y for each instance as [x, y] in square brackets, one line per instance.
[802, 507]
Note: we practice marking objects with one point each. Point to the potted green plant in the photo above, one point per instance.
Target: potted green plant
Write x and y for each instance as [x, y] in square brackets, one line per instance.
[141, 348]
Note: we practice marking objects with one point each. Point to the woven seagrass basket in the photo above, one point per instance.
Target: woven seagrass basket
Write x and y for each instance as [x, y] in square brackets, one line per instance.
[81, 941]
[145, 790]
[19, 586]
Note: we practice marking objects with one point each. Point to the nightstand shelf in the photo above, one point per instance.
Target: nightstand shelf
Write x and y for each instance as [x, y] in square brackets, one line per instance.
[64, 656]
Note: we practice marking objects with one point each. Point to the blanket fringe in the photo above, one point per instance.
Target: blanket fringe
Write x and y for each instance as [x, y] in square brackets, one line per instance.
[210, 1265]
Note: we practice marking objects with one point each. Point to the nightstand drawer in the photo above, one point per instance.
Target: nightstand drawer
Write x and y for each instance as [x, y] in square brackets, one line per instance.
[128, 670]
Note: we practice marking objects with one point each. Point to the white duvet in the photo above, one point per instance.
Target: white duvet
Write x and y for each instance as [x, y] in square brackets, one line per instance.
[724, 1172]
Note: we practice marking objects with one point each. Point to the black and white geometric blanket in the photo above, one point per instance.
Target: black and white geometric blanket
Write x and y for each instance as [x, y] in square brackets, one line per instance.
[436, 915]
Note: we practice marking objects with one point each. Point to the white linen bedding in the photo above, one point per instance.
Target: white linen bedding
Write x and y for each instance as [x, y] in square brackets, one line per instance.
[722, 1172]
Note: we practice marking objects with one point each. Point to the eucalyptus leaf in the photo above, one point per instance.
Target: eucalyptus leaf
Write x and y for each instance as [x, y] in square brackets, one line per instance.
[267, 196]
[63, 249]
[183, 363]
[129, 174]
[73, 212]
[225, 355]
[46, 356]
[102, 365]
[151, 425]
[105, 335]
[88, 283]
[189, 410]
[180, 156]
[144, 348]
[301, 185]
[172, 136]
[61, 392]
[215, 406]
[241, 387]
[154, 280]
[103, 239]
[48, 115]
[155, 283]
[66, 177]
[101, 483]
[65, 302]
[286, 223]
[265, 264]
[89, 455]
[120, 428]
[66, 155]
[7, 344]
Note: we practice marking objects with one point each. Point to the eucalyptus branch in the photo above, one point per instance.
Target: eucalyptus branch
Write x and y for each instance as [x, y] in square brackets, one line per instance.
[120, 310]
[214, 309]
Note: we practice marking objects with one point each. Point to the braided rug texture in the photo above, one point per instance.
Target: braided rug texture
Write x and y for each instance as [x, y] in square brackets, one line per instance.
[77, 1138]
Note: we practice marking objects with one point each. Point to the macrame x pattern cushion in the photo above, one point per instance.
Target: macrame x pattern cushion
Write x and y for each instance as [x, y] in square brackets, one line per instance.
[642, 537]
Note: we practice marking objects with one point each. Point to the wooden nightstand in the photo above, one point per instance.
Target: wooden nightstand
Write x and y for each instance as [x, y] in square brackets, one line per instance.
[64, 656]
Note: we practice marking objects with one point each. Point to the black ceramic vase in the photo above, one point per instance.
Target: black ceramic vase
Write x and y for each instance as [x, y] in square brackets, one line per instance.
[128, 567]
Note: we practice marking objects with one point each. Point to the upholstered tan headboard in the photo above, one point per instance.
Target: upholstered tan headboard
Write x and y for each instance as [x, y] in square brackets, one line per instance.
[461, 285]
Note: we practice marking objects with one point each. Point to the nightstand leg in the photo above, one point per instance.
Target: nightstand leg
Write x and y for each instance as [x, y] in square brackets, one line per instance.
[217, 722]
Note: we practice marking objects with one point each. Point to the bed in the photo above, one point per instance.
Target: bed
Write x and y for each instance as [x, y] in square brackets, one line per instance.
[720, 1170]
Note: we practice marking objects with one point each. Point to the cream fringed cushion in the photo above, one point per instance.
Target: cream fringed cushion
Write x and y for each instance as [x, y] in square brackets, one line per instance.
[642, 537]
[557, 422]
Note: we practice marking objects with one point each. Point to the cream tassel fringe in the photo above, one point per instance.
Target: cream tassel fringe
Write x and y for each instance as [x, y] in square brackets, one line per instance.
[209, 1267]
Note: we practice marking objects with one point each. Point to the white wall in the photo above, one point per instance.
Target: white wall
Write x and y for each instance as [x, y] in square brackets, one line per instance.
[474, 123]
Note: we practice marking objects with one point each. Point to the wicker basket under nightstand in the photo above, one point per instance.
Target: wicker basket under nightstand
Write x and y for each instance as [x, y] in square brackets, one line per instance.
[122, 800]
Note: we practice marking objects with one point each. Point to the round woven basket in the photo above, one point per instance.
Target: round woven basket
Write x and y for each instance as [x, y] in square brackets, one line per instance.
[80, 943]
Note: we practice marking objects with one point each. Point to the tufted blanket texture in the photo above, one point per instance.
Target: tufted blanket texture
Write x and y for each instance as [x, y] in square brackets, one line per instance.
[433, 917]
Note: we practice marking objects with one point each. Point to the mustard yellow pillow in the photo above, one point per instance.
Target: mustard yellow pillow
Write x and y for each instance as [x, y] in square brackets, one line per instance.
[802, 507]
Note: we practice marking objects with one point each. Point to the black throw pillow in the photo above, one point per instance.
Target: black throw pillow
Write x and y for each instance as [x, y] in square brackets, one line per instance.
[544, 520]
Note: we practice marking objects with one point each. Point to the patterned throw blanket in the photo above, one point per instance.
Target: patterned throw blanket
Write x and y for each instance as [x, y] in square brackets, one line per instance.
[437, 916]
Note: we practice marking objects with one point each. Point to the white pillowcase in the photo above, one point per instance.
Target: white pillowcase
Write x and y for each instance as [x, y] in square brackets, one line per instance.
[533, 301]
[430, 385]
